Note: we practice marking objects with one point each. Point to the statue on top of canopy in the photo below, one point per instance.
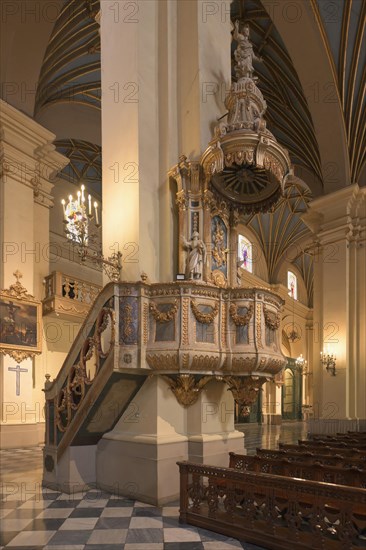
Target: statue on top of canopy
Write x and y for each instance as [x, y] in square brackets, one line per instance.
[244, 53]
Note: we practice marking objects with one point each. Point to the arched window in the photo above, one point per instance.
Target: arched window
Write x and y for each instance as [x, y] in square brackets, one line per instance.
[245, 254]
[292, 284]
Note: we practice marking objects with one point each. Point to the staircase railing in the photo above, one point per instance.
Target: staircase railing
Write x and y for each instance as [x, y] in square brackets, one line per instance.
[68, 393]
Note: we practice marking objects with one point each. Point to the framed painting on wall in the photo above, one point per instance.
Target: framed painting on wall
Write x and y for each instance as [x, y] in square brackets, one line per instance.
[20, 322]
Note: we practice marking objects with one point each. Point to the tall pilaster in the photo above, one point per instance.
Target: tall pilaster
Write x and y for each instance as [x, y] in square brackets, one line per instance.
[156, 105]
[28, 164]
[338, 222]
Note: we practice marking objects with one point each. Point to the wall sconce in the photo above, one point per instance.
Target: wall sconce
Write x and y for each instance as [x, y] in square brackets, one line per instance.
[329, 360]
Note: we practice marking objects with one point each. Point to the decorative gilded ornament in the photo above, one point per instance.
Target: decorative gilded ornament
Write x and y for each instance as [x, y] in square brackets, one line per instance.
[186, 387]
[240, 320]
[206, 318]
[244, 388]
[164, 316]
[272, 318]
[244, 163]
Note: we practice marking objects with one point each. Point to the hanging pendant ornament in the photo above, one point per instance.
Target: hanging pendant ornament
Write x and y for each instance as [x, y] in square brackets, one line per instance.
[244, 162]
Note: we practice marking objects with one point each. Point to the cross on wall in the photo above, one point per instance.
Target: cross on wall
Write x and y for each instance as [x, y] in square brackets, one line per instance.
[17, 370]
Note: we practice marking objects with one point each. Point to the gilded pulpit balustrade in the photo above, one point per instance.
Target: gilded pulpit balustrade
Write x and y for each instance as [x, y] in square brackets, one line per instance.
[186, 332]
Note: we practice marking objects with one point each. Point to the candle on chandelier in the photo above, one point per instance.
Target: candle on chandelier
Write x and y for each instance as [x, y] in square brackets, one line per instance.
[96, 213]
[82, 193]
[89, 202]
[64, 208]
[70, 200]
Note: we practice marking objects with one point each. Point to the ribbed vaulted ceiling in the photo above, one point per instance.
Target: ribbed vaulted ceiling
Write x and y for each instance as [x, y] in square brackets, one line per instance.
[71, 65]
[342, 23]
[85, 163]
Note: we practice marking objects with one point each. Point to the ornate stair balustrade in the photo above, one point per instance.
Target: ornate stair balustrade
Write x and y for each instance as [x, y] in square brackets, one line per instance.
[186, 332]
[68, 296]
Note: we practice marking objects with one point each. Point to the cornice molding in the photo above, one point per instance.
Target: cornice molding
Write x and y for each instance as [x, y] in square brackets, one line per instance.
[27, 154]
[336, 212]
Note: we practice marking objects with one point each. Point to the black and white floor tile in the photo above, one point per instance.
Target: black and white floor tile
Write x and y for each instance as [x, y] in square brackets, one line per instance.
[32, 517]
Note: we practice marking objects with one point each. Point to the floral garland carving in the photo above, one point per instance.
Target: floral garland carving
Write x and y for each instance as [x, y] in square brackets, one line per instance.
[240, 320]
[205, 318]
[164, 316]
[272, 319]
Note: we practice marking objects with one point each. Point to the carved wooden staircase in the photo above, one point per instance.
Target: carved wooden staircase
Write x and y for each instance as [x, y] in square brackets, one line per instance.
[91, 392]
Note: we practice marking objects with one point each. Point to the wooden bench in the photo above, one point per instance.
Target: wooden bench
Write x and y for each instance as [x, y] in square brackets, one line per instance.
[353, 477]
[273, 511]
[343, 451]
[310, 457]
[359, 436]
[352, 443]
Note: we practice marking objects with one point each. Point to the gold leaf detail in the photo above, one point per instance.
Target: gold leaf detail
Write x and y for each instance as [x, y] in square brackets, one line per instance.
[164, 316]
[240, 320]
[205, 318]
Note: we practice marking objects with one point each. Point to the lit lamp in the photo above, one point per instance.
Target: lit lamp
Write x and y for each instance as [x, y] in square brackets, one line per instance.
[77, 218]
[301, 362]
[329, 360]
[292, 334]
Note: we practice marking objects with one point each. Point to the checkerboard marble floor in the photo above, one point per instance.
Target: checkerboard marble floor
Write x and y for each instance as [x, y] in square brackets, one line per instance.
[33, 517]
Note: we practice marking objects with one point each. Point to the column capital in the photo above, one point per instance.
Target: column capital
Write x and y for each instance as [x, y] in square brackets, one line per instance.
[27, 153]
[337, 215]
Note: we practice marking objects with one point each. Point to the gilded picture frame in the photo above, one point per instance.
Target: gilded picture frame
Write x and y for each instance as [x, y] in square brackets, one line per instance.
[20, 322]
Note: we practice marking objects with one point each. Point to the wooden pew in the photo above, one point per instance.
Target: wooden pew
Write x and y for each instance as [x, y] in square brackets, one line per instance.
[310, 457]
[273, 511]
[358, 436]
[356, 453]
[352, 443]
[353, 477]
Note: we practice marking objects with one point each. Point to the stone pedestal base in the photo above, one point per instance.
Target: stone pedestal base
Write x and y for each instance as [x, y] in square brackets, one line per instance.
[73, 473]
[213, 450]
[141, 467]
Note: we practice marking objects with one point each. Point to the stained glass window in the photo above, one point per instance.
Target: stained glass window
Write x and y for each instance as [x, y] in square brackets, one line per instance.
[245, 254]
[292, 284]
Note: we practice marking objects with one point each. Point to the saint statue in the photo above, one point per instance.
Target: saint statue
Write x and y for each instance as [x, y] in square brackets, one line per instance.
[219, 250]
[196, 256]
[244, 53]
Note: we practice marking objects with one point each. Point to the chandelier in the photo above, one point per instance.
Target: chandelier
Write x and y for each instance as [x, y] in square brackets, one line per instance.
[329, 361]
[292, 334]
[303, 364]
[78, 217]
